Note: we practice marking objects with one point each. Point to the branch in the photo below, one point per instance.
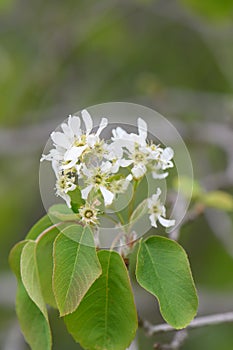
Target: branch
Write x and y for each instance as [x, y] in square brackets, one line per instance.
[196, 323]
[177, 341]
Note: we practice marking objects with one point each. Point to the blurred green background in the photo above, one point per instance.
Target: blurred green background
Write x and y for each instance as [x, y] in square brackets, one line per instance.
[57, 57]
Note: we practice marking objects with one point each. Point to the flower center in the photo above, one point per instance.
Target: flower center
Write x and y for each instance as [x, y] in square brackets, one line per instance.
[88, 214]
[98, 179]
[139, 157]
[80, 142]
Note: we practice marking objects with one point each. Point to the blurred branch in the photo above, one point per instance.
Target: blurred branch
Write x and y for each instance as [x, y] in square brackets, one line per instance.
[190, 216]
[196, 323]
[178, 340]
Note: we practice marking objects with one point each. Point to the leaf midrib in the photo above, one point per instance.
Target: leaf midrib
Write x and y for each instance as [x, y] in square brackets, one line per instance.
[73, 271]
[107, 300]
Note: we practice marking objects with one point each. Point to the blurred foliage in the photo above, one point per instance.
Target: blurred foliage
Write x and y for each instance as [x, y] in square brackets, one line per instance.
[57, 57]
[212, 9]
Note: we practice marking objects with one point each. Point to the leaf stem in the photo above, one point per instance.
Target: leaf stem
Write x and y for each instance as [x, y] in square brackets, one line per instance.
[131, 204]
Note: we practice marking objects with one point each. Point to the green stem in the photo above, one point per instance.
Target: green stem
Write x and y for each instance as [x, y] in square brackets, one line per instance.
[131, 204]
[110, 218]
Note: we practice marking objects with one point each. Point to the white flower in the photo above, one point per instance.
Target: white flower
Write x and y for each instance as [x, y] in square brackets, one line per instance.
[120, 186]
[88, 214]
[123, 139]
[157, 211]
[65, 184]
[115, 155]
[97, 178]
[72, 142]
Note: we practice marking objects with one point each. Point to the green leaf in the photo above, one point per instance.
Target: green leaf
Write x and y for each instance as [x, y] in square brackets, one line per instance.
[219, 200]
[188, 186]
[62, 213]
[30, 276]
[14, 257]
[106, 317]
[76, 267]
[217, 10]
[44, 257]
[41, 225]
[33, 323]
[76, 199]
[163, 270]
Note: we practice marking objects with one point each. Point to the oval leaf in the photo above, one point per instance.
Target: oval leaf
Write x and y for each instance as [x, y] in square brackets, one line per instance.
[30, 276]
[106, 317]
[34, 325]
[41, 225]
[62, 213]
[44, 257]
[76, 267]
[163, 270]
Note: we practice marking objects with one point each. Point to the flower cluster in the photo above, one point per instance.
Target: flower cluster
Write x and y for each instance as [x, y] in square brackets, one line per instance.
[100, 170]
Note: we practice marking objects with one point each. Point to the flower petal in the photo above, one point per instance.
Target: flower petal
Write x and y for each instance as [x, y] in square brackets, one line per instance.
[103, 124]
[67, 130]
[87, 121]
[159, 176]
[72, 156]
[167, 154]
[108, 195]
[91, 140]
[165, 222]
[138, 171]
[60, 139]
[85, 192]
[142, 128]
[74, 124]
[153, 220]
[106, 167]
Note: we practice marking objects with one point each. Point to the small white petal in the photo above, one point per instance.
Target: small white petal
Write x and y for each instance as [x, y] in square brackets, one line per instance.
[72, 156]
[87, 121]
[86, 171]
[119, 133]
[74, 124]
[156, 196]
[153, 220]
[125, 162]
[91, 140]
[115, 167]
[103, 124]
[60, 139]
[129, 177]
[74, 153]
[166, 222]
[70, 188]
[106, 167]
[56, 167]
[159, 176]
[85, 192]
[167, 154]
[67, 199]
[114, 151]
[108, 196]
[138, 171]
[67, 131]
[142, 128]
